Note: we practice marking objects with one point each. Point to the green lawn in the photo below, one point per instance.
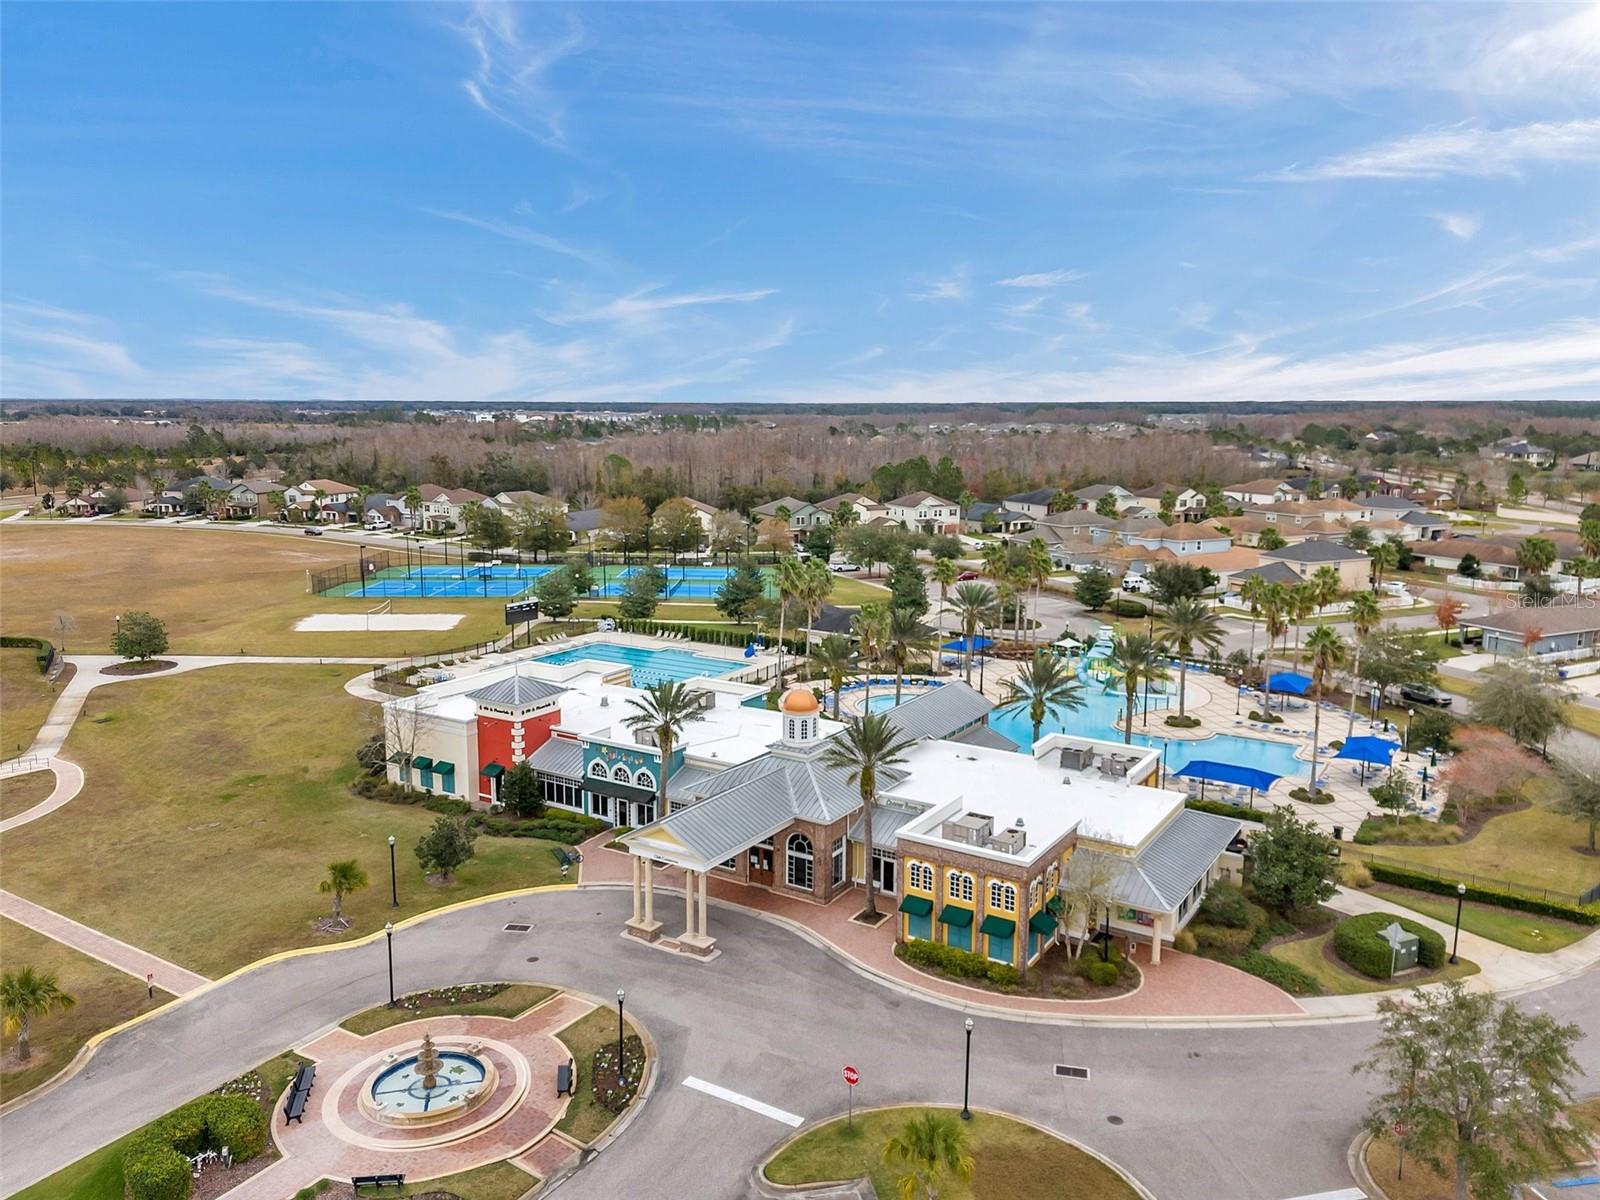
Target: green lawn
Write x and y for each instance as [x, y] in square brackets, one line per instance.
[18, 793]
[218, 592]
[1585, 720]
[1519, 930]
[1533, 846]
[95, 1176]
[25, 695]
[585, 1120]
[497, 1181]
[516, 999]
[1311, 955]
[214, 803]
[1012, 1161]
[105, 997]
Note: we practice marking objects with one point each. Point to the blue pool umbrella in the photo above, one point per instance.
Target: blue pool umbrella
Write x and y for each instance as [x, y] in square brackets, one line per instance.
[1368, 750]
[960, 644]
[1290, 681]
[1220, 772]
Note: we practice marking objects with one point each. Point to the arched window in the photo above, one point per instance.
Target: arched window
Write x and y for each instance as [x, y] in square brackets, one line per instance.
[920, 877]
[958, 886]
[643, 778]
[597, 769]
[797, 861]
[621, 774]
[1002, 897]
[1035, 892]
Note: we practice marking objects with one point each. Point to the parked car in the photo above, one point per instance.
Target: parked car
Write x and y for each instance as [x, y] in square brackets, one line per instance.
[966, 576]
[377, 526]
[844, 568]
[1422, 693]
[1136, 583]
[312, 531]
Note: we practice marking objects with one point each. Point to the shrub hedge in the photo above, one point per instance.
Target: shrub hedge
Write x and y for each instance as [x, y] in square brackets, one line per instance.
[1122, 607]
[1221, 941]
[1587, 914]
[961, 963]
[711, 635]
[1224, 809]
[154, 1165]
[1225, 905]
[43, 651]
[1356, 942]
[1278, 973]
[1102, 974]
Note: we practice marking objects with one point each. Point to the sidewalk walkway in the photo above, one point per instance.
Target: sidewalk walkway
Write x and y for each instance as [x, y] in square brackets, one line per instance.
[1181, 986]
[169, 977]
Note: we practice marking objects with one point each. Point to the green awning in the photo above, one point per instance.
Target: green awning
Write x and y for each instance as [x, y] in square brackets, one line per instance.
[444, 768]
[494, 770]
[1001, 927]
[951, 915]
[917, 906]
[422, 762]
[1042, 923]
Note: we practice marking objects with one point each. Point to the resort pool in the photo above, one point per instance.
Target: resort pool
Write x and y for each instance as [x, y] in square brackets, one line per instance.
[1097, 719]
[649, 666]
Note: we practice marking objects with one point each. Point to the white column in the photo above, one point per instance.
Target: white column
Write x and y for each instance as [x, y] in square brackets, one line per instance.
[636, 886]
[649, 890]
[1155, 940]
[688, 902]
[703, 877]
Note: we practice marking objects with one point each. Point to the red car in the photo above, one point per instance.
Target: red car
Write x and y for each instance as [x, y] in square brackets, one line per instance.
[966, 575]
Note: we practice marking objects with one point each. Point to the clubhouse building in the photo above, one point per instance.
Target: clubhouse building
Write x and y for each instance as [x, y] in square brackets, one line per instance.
[974, 842]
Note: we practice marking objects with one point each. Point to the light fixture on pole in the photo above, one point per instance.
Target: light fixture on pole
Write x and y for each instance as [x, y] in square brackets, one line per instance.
[620, 995]
[394, 882]
[966, 1084]
[1461, 895]
[388, 933]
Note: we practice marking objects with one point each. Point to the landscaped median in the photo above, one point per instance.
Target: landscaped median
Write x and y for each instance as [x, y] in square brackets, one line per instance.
[1010, 1159]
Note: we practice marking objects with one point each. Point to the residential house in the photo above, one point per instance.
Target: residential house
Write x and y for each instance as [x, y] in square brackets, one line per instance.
[1589, 460]
[1185, 541]
[925, 512]
[1305, 558]
[1521, 450]
[1563, 630]
[1089, 497]
[326, 490]
[510, 502]
[251, 498]
[984, 517]
[1187, 503]
[381, 507]
[705, 513]
[1035, 504]
[802, 514]
[442, 508]
[1263, 491]
[584, 525]
[1494, 560]
[866, 508]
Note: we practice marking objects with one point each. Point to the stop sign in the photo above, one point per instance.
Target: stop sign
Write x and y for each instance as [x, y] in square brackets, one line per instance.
[852, 1076]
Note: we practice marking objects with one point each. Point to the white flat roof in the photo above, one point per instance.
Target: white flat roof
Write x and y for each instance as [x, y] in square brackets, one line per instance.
[1051, 801]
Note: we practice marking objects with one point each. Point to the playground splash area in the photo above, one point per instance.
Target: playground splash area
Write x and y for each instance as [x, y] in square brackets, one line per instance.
[506, 581]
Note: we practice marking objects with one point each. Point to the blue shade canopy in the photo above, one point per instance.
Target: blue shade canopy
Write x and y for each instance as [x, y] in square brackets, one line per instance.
[1289, 681]
[1369, 750]
[978, 643]
[1221, 772]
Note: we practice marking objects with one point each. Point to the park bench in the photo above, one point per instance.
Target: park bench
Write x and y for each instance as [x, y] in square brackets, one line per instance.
[305, 1076]
[566, 1078]
[377, 1181]
[295, 1107]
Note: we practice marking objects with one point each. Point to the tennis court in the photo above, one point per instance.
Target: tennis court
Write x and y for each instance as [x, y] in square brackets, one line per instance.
[683, 583]
[447, 582]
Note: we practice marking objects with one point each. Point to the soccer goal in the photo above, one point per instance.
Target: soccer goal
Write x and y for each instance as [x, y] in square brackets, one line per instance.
[380, 610]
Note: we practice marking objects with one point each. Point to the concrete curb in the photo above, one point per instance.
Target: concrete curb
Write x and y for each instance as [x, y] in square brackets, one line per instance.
[778, 1191]
[1356, 1159]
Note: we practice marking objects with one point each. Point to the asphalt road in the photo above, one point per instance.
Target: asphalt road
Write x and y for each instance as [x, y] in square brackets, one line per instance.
[1252, 1114]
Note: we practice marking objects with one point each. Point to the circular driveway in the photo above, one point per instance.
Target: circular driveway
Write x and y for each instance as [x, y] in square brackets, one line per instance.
[1250, 1113]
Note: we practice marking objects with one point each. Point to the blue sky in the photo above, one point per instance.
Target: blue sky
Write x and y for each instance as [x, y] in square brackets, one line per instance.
[805, 204]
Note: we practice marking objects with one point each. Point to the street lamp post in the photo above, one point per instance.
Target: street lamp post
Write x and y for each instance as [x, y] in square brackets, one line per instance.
[1461, 895]
[388, 934]
[620, 995]
[394, 881]
[966, 1082]
[1410, 712]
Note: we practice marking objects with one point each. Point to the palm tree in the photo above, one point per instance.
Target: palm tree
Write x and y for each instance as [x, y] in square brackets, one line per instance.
[871, 627]
[996, 561]
[974, 606]
[1365, 616]
[661, 714]
[1325, 587]
[1005, 595]
[1137, 658]
[1038, 564]
[903, 637]
[1045, 688]
[1536, 555]
[1020, 577]
[834, 656]
[1251, 591]
[816, 582]
[786, 578]
[930, 1146]
[1385, 557]
[944, 572]
[1327, 650]
[26, 994]
[1581, 567]
[869, 743]
[1189, 622]
[1302, 602]
[343, 878]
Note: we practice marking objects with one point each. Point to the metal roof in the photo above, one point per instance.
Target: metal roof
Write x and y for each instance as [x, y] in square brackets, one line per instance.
[985, 735]
[940, 712]
[559, 756]
[515, 691]
[1166, 870]
[886, 823]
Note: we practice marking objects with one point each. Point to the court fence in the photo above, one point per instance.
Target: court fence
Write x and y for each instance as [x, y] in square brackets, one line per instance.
[1531, 891]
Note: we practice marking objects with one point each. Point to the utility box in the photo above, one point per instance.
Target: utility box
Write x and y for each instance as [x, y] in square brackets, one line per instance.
[1402, 948]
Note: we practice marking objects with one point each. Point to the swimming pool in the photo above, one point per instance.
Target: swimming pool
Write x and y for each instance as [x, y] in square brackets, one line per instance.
[1097, 717]
[649, 666]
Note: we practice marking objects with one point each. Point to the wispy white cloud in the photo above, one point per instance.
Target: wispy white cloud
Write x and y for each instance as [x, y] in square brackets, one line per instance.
[1041, 279]
[520, 233]
[652, 301]
[509, 77]
[942, 287]
[1196, 315]
[1459, 150]
[1563, 55]
[1460, 225]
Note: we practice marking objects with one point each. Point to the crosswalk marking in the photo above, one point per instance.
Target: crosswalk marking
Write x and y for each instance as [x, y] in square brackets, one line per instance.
[755, 1106]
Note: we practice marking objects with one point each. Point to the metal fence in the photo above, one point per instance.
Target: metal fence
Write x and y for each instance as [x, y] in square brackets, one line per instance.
[1515, 887]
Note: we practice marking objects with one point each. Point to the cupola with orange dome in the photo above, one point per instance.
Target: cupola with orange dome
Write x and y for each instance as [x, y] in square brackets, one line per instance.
[802, 714]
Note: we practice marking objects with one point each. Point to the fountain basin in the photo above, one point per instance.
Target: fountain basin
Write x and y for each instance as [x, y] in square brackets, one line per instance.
[398, 1094]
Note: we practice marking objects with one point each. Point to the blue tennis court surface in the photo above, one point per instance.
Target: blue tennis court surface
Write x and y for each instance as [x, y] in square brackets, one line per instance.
[683, 583]
[497, 582]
